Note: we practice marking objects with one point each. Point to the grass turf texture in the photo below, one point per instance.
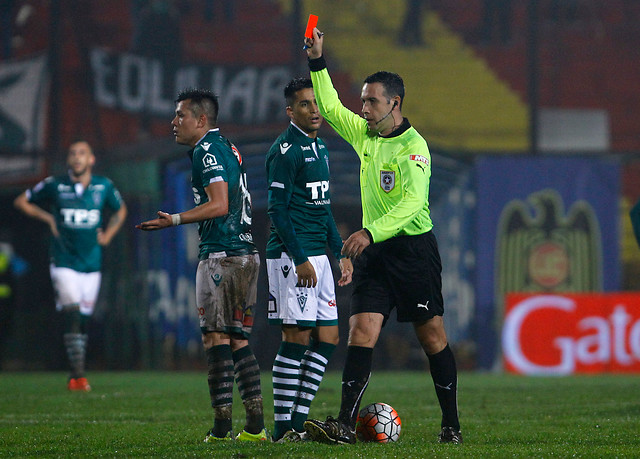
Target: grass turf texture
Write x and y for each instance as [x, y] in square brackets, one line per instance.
[168, 414]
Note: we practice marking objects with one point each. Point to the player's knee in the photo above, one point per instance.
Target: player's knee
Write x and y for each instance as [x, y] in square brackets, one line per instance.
[362, 336]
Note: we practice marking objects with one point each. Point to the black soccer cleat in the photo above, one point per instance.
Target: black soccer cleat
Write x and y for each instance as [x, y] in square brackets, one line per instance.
[450, 435]
[331, 431]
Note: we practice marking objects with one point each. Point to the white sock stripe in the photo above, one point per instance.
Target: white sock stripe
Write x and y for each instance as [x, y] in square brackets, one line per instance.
[282, 417]
[311, 374]
[284, 381]
[286, 393]
[287, 361]
[301, 409]
[306, 395]
[313, 365]
[282, 403]
[310, 385]
[286, 370]
[315, 356]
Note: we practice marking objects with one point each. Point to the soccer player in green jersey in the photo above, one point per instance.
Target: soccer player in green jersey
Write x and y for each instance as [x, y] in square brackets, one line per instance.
[72, 205]
[302, 300]
[227, 274]
[398, 264]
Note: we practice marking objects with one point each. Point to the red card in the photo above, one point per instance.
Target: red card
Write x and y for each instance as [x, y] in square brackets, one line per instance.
[311, 23]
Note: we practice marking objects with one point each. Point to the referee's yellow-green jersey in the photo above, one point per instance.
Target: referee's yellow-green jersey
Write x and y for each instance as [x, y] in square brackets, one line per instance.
[394, 170]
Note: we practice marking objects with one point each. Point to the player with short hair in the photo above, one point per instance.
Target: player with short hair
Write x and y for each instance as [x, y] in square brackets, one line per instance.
[72, 206]
[302, 296]
[398, 264]
[227, 274]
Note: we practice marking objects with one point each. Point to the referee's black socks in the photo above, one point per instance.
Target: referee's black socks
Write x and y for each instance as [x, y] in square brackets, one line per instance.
[445, 379]
[355, 377]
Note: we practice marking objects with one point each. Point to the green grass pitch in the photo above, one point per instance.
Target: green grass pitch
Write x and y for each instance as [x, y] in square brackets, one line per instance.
[167, 414]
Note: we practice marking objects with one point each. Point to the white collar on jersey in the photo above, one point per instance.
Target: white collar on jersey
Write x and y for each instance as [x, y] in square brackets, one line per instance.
[210, 130]
[313, 142]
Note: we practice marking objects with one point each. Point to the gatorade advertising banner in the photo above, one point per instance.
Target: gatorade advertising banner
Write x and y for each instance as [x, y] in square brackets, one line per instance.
[571, 333]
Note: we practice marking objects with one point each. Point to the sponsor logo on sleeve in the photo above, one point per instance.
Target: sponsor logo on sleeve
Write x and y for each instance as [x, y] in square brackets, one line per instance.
[421, 158]
[284, 147]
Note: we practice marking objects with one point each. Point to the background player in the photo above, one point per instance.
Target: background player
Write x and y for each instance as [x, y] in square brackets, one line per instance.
[71, 205]
[227, 275]
[398, 264]
[303, 299]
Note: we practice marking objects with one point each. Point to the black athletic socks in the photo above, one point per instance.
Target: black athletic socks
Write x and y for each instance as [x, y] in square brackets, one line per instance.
[445, 379]
[355, 377]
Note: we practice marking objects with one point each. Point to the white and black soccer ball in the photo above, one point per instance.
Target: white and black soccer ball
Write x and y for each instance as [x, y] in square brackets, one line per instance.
[378, 423]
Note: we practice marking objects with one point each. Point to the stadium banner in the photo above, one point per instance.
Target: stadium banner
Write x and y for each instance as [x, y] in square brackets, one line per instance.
[23, 92]
[544, 225]
[549, 334]
[144, 85]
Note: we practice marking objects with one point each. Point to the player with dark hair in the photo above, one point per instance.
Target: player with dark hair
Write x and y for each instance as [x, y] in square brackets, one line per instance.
[227, 275]
[301, 300]
[398, 264]
[72, 205]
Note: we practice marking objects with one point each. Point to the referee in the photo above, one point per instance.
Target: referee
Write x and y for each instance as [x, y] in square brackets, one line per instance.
[397, 264]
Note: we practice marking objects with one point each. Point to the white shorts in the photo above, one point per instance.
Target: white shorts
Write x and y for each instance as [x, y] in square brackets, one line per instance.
[75, 288]
[304, 307]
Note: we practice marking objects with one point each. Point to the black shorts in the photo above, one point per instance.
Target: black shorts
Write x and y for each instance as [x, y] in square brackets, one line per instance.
[404, 272]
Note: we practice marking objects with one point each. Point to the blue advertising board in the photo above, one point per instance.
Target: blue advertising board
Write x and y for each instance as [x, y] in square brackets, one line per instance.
[543, 225]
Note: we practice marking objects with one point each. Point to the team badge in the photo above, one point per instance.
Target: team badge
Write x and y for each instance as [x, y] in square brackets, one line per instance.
[542, 248]
[285, 270]
[216, 279]
[302, 300]
[209, 160]
[97, 197]
[387, 180]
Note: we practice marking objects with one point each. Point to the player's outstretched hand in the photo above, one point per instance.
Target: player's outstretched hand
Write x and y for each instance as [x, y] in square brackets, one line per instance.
[355, 244]
[314, 45]
[163, 221]
[306, 275]
[346, 270]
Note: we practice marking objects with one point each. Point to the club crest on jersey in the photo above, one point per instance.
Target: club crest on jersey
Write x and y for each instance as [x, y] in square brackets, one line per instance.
[96, 196]
[209, 160]
[387, 180]
[302, 300]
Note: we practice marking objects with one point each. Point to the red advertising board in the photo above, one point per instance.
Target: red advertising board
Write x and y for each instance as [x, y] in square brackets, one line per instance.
[559, 334]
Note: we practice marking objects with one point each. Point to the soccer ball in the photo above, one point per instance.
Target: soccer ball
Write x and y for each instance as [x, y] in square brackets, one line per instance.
[379, 423]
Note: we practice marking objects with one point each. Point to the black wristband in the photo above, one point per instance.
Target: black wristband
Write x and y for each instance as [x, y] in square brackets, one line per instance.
[315, 65]
[368, 234]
